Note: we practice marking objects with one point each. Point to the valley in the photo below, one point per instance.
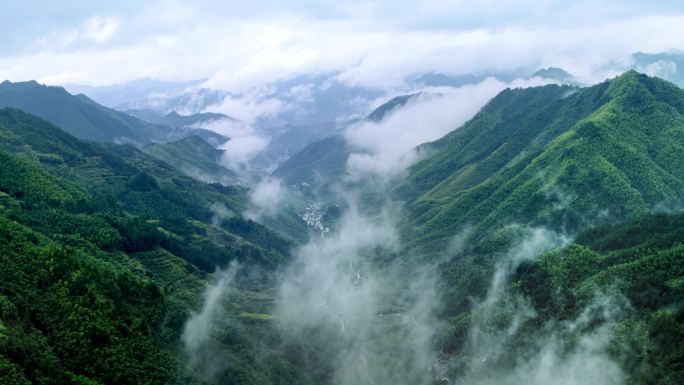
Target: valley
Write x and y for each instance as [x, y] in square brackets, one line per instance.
[280, 194]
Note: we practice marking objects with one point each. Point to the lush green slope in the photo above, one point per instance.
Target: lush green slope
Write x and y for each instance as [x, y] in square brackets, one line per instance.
[380, 113]
[78, 115]
[103, 255]
[324, 159]
[643, 260]
[564, 159]
[185, 125]
[617, 287]
[553, 156]
[194, 157]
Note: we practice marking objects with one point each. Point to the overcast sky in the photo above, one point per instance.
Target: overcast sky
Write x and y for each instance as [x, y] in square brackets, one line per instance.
[237, 44]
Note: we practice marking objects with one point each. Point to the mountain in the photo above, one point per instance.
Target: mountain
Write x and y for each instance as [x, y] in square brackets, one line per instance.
[380, 113]
[545, 214]
[619, 287]
[194, 157]
[78, 115]
[555, 73]
[186, 100]
[176, 120]
[114, 95]
[667, 65]
[554, 156]
[323, 159]
[289, 139]
[186, 125]
[299, 101]
[104, 254]
[326, 159]
[438, 79]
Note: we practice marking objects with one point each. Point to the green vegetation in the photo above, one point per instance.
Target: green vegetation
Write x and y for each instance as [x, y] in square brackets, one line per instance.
[319, 162]
[78, 115]
[643, 260]
[625, 278]
[104, 253]
[567, 159]
[105, 250]
[552, 156]
[195, 157]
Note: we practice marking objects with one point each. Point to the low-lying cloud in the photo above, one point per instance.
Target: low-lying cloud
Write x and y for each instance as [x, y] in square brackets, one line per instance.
[244, 144]
[386, 148]
[200, 327]
[364, 322]
[568, 352]
[266, 198]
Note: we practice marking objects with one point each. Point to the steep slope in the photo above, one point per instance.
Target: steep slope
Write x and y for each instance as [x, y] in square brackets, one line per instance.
[78, 115]
[176, 120]
[290, 139]
[392, 105]
[104, 254]
[553, 156]
[194, 157]
[141, 184]
[326, 159]
[614, 297]
[643, 260]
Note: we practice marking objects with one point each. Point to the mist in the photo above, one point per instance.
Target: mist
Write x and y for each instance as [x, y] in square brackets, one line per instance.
[245, 142]
[385, 149]
[568, 352]
[265, 198]
[201, 326]
[361, 319]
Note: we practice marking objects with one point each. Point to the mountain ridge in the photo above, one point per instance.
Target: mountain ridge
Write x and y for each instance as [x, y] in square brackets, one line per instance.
[78, 115]
[544, 138]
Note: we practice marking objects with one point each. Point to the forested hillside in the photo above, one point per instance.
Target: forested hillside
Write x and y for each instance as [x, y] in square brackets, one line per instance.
[541, 221]
[78, 115]
[585, 169]
[553, 156]
[105, 252]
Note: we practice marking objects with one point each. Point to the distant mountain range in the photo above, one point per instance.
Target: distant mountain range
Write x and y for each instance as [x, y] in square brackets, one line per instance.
[667, 65]
[120, 95]
[79, 115]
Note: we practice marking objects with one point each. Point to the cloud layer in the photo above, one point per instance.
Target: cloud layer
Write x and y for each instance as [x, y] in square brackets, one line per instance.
[387, 147]
[375, 44]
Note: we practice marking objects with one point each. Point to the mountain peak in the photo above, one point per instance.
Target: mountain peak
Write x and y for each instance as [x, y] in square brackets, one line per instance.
[173, 114]
[21, 85]
[553, 73]
[629, 83]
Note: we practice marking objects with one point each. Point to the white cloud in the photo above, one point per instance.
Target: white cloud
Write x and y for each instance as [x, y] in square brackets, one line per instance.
[244, 144]
[388, 147]
[249, 106]
[240, 150]
[100, 29]
[265, 198]
[240, 46]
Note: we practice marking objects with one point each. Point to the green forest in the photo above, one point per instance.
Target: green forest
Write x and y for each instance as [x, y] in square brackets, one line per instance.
[109, 251]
